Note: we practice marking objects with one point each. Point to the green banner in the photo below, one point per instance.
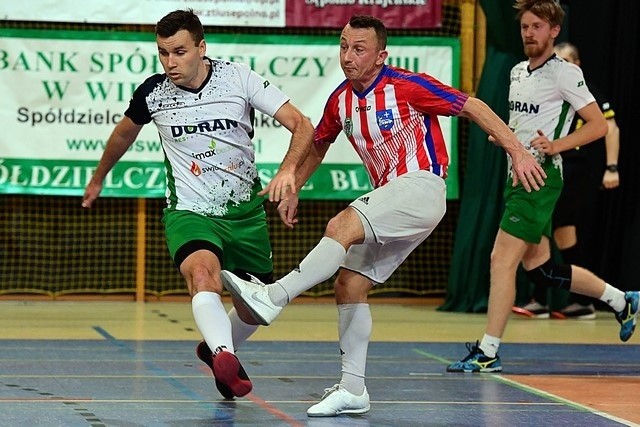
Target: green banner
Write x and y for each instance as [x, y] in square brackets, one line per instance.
[63, 92]
[147, 179]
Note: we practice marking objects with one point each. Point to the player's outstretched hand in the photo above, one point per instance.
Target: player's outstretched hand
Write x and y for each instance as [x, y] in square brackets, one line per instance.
[282, 184]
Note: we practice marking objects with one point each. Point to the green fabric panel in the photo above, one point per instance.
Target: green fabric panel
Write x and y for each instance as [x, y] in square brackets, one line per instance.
[484, 179]
[561, 119]
[503, 31]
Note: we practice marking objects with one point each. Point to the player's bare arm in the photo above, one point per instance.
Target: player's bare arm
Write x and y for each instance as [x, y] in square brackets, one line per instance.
[288, 207]
[595, 127]
[123, 135]
[301, 140]
[611, 179]
[525, 167]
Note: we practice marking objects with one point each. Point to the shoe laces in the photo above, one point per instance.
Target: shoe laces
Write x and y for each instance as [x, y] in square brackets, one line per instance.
[626, 314]
[255, 280]
[328, 391]
[474, 350]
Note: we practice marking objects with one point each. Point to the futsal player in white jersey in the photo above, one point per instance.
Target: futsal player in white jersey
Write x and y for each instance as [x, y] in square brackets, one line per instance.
[203, 110]
[390, 116]
[586, 171]
[544, 95]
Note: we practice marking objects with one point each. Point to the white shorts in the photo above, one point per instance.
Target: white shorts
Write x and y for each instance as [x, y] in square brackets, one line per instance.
[397, 217]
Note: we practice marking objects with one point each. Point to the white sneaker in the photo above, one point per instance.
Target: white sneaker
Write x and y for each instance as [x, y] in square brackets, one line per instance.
[254, 295]
[337, 400]
[579, 311]
[533, 309]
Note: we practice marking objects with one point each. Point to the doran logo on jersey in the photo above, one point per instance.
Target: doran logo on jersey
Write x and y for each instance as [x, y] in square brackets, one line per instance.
[204, 127]
[523, 107]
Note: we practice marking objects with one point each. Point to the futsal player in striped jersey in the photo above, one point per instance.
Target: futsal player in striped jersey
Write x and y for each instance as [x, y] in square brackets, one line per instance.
[390, 117]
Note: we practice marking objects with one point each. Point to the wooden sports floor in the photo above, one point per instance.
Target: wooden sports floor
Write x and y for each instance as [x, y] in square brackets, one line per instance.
[90, 363]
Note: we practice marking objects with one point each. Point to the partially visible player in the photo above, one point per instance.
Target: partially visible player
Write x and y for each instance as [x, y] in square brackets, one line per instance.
[585, 171]
[544, 94]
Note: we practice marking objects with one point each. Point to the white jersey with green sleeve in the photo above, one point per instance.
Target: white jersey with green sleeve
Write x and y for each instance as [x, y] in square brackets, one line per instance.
[545, 98]
[206, 135]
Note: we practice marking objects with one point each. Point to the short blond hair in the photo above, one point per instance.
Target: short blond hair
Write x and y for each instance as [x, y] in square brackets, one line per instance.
[549, 10]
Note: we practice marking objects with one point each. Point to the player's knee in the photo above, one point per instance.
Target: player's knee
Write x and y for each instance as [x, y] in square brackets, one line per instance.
[344, 221]
[333, 227]
[349, 292]
[551, 275]
[341, 291]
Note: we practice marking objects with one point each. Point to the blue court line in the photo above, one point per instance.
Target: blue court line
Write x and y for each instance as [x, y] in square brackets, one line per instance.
[105, 334]
[220, 414]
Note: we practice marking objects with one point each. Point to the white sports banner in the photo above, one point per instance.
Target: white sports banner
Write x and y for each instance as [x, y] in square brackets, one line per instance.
[63, 92]
[250, 13]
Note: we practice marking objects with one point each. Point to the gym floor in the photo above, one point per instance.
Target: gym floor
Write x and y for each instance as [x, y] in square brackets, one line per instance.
[115, 363]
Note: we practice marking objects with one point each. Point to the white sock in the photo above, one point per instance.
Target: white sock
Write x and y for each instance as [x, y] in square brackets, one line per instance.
[212, 320]
[354, 326]
[278, 294]
[614, 297]
[240, 330]
[319, 265]
[489, 345]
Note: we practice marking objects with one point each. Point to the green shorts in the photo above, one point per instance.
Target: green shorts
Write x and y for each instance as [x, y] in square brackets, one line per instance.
[241, 243]
[527, 216]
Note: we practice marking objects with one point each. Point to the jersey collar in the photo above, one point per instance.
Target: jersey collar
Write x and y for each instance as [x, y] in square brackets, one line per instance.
[204, 82]
[529, 70]
[372, 85]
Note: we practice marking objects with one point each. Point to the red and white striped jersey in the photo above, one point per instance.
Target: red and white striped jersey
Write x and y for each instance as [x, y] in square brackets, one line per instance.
[393, 124]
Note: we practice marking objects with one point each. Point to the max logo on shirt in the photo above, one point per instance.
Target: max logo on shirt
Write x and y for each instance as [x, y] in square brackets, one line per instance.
[384, 119]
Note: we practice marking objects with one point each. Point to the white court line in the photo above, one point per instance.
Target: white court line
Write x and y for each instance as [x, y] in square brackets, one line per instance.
[378, 402]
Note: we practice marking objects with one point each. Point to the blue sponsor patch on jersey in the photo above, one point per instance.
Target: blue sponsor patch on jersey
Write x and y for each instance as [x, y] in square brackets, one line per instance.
[384, 119]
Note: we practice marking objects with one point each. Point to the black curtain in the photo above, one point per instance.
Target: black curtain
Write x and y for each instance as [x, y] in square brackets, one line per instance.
[607, 36]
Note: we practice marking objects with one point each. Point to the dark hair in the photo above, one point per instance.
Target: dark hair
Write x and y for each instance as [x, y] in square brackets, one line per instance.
[549, 10]
[178, 20]
[366, 21]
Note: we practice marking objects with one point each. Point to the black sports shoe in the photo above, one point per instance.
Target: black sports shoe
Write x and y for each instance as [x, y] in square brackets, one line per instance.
[205, 354]
[476, 361]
